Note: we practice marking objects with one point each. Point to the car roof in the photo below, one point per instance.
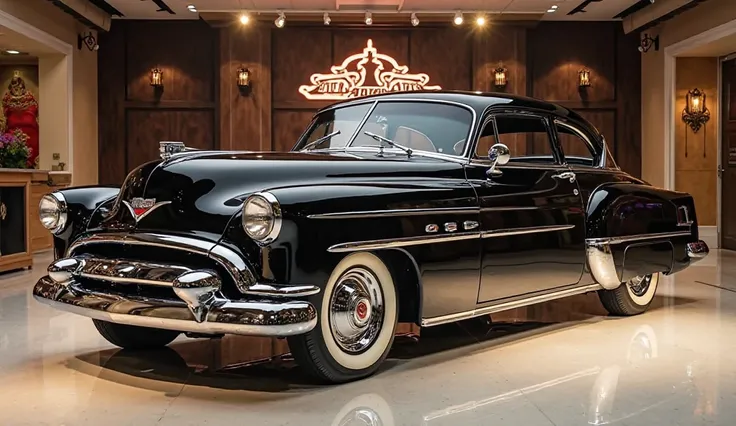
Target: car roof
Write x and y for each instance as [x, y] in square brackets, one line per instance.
[479, 101]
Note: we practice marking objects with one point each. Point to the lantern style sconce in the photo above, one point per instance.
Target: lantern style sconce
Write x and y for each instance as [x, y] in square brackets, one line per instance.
[157, 78]
[695, 113]
[243, 80]
[499, 77]
[584, 78]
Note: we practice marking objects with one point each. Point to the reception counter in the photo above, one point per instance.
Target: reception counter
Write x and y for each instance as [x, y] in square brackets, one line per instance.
[21, 233]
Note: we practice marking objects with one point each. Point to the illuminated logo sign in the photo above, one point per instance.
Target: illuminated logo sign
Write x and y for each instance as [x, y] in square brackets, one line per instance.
[351, 79]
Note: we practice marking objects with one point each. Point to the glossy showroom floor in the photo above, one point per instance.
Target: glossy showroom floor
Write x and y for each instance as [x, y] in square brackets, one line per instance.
[561, 363]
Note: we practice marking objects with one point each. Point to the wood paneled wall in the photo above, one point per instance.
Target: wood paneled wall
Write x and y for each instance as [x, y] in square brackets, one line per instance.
[201, 103]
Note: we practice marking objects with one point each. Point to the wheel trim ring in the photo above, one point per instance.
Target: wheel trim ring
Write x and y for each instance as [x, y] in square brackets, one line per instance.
[357, 288]
[639, 285]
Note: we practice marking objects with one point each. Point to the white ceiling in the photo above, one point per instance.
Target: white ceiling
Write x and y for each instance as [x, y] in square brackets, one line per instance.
[10, 40]
[595, 11]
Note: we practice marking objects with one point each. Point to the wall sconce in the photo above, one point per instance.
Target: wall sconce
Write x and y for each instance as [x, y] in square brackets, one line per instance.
[499, 77]
[647, 42]
[243, 80]
[584, 78]
[695, 113]
[157, 78]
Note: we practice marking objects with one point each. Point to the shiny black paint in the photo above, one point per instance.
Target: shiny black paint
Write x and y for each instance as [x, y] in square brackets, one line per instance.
[207, 189]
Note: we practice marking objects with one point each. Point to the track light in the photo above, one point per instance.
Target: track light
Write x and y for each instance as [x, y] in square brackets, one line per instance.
[480, 21]
[368, 18]
[458, 19]
[244, 18]
[192, 8]
[414, 20]
[280, 21]
[326, 18]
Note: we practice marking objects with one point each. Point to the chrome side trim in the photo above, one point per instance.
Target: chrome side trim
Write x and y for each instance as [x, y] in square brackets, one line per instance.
[394, 212]
[637, 237]
[269, 290]
[401, 242]
[227, 258]
[502, 306]
[201, 309]
[128, 271]
[521, 231]
[441, 238]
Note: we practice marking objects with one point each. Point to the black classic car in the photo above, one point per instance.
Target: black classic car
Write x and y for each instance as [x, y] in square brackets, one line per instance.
[425, 207]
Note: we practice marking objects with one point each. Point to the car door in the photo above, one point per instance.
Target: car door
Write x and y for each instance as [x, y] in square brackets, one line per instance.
[532, 219]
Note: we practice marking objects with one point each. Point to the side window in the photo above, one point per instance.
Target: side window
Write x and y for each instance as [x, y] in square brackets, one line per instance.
[526, 137]
[575, 145]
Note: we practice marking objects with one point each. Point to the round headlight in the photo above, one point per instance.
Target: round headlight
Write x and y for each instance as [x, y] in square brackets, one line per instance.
[52, 212]
[262, 217]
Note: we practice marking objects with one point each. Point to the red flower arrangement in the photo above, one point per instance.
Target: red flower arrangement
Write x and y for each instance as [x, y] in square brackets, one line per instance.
[14, 152]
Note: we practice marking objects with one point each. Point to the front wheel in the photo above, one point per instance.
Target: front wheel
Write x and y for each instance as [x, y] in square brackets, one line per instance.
[134, 337]
[357, 322]
[632, 297]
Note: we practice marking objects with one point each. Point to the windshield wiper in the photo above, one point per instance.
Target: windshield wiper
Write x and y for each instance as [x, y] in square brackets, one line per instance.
[382, 139]
[322, 139]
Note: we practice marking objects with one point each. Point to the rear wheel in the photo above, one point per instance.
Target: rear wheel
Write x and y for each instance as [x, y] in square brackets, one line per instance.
[357, 322]
[134, 337]
[632, 297]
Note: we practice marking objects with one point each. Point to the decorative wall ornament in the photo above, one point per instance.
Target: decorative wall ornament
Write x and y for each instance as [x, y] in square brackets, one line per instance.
[88, 40]
[350, 79]
[499, 77]
[647, 42]
[20, 109]
[584, 77]
[695, 114]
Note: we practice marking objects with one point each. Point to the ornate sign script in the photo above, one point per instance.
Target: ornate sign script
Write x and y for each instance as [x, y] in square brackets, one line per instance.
[348, 80]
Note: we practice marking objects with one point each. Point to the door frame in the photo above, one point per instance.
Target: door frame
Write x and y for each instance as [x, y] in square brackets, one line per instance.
[707, 233]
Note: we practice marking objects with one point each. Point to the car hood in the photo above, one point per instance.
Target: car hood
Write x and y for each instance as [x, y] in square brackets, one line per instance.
[199, 192]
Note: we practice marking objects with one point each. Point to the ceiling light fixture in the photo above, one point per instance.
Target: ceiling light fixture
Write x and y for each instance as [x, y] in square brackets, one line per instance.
[192, 8]
[13, 52]
[414, 20]
[368, 18]
[280, 21]
[244, 18]
[458, 19]
[326, 18]
[554, 6]
[551, 10]
[480, 21]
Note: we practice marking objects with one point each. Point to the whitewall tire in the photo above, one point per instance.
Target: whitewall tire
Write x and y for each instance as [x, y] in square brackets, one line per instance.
[357, 321]
[632, 297]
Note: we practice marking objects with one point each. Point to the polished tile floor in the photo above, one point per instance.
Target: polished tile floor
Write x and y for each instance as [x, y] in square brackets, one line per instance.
[560, 363]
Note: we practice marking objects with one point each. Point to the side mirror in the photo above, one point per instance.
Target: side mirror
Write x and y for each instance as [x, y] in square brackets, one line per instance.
[499, 155]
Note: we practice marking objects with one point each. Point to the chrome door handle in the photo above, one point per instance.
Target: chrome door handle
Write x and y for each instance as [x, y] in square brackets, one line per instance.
[565, 175]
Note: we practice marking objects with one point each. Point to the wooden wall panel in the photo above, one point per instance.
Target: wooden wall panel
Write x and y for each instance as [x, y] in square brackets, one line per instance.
[559, 50]
[297, 54]
[288, 125]
[188, 66]
[443, 54]
[146, 127]
[605, 122]
[628, 104]
[111, 109]
[245, 120]
[502, 45]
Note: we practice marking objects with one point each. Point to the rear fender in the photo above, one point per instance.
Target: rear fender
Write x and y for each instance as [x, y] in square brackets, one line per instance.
[635, 229]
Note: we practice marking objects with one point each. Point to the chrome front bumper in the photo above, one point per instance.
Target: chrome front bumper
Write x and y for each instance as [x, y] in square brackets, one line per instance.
[196, 304]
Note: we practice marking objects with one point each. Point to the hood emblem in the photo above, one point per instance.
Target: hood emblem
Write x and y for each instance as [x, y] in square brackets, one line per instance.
[141, 207]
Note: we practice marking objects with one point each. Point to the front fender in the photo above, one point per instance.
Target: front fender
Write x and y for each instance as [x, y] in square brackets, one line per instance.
[86, 207]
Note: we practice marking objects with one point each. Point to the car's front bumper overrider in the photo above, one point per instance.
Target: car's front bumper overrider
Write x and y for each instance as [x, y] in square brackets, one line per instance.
[196, 303]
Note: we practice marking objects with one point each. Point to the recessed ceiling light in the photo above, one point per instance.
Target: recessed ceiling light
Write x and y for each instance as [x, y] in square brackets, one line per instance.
[554, 6]
[480, 21]
[244, 18]
[12, 52]
[192, 8]
[550, 10]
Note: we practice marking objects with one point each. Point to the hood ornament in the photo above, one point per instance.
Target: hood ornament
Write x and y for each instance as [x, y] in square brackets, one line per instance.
[141, 207]
[168, 148]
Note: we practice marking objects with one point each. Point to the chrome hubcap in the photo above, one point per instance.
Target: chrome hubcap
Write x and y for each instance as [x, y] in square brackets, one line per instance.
[639, 285]
[356, 310]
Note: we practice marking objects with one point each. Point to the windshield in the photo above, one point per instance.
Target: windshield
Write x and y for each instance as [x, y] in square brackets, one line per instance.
[333, 128]
[420, 126]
